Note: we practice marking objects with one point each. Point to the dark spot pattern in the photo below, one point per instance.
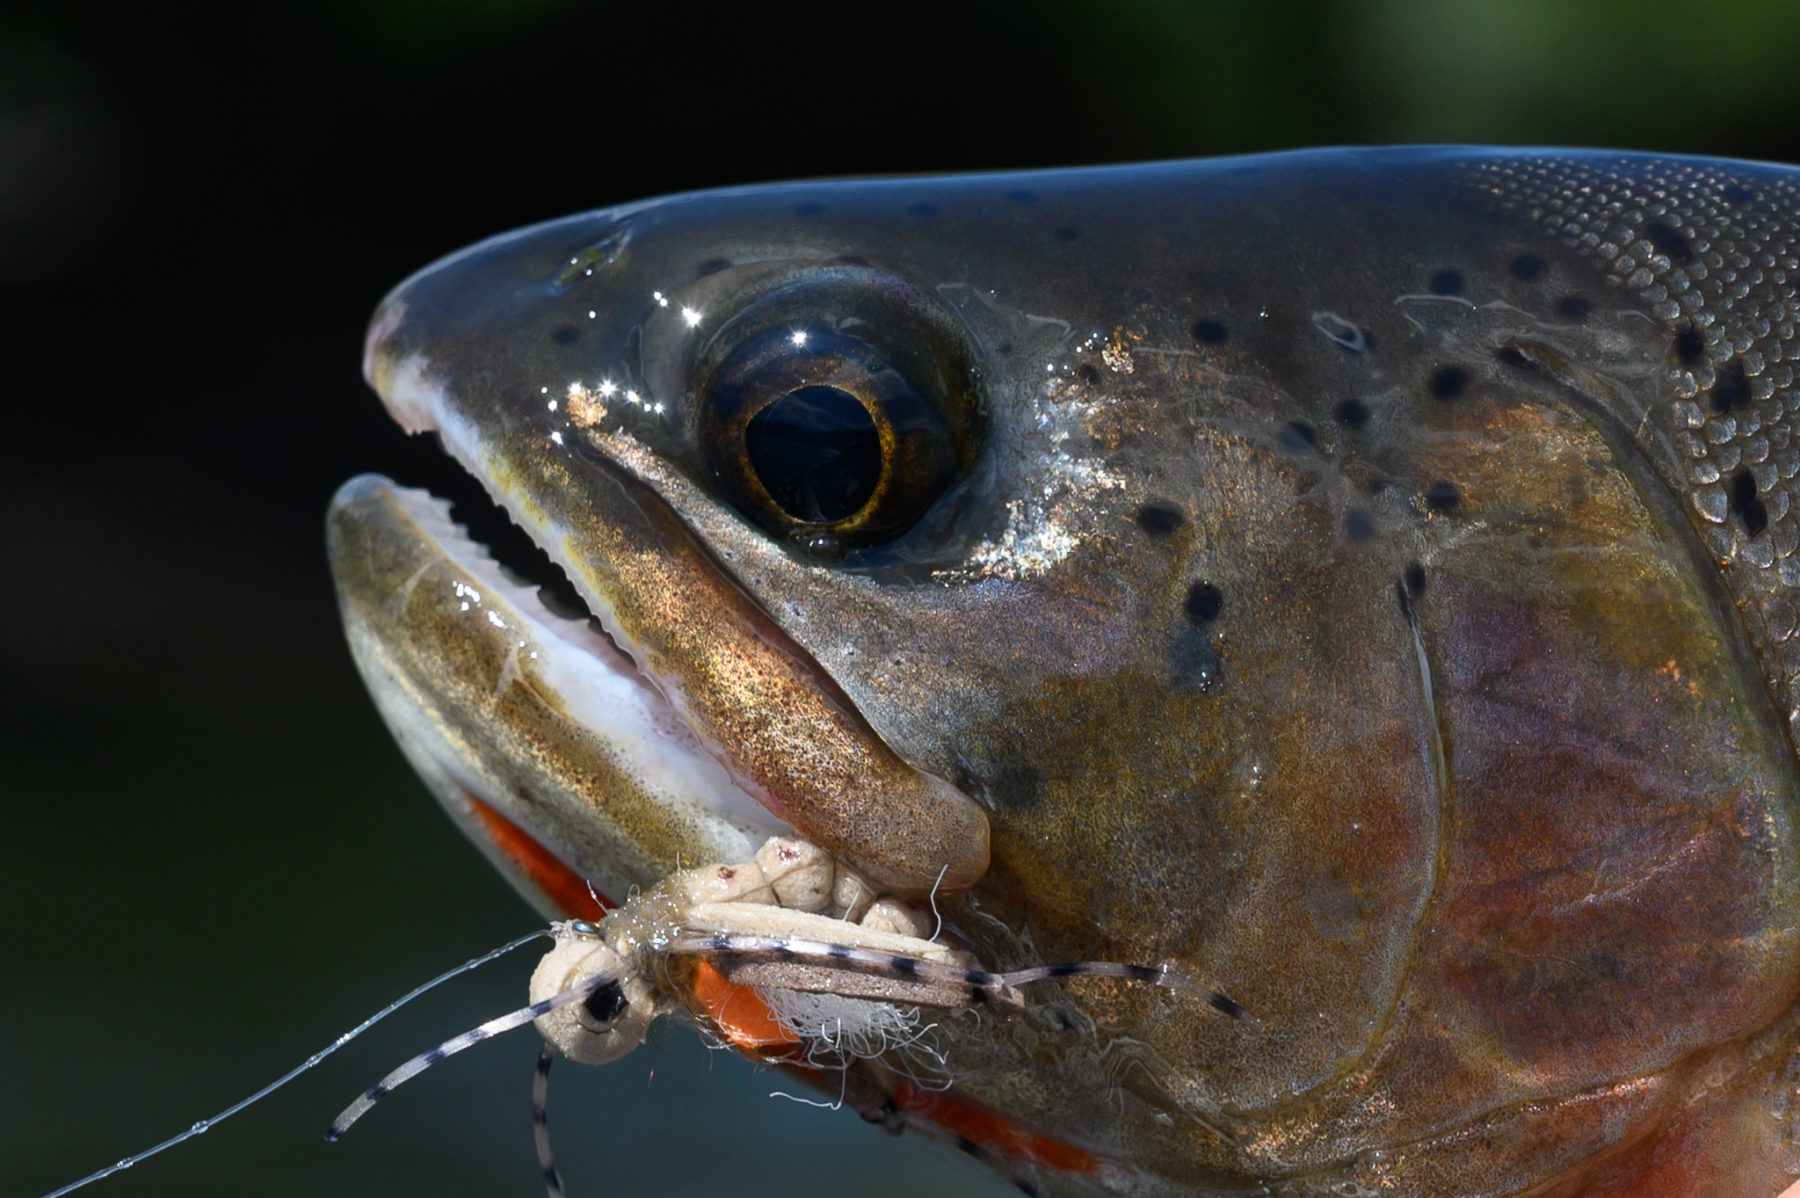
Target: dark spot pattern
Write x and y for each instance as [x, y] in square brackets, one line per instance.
[1448, 382]
[1574, 308]
[1203, 603]
[711, 266]
[1690, 346]
[1668, 241]
[1359, 526]
[1513, 356]
[1087, 374]
[1415, 580]
[1446, 282]
[1747, 504]
[1441, 496]
[1297, 436]
[1351, 413]
[1528, 267]
[1209, 332]
[1731, 390]
[1160, 519]
[1016, 785]
[565, 334]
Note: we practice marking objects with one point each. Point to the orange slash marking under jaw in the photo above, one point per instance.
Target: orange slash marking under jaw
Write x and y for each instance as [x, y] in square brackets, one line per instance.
[562, 885]
[741, 1017]
[991, 1131]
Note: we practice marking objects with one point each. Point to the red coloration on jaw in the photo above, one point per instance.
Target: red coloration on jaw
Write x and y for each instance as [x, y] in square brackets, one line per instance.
[741, 1018]
[991, 1130]
[562, 885]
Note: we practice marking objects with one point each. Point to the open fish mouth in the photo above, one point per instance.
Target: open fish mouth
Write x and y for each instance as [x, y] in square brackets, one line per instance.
[670, 721]
[542, 738]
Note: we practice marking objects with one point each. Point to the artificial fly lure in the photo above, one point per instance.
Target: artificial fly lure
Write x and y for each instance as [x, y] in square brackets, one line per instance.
[839, 966]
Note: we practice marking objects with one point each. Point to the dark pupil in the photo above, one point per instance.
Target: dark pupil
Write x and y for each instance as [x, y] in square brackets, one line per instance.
[817, 453]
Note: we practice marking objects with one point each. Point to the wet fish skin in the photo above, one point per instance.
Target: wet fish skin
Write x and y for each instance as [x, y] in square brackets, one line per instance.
[1370, 593]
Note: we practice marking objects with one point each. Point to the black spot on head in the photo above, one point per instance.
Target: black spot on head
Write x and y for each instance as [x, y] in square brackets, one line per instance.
[1066, 234]
[808, 208]
[1159, 519]
[1020, 195]
[1359, 526]
[1065, 970]
[606, 1003]
[906, 967]
[1731, 390]
[565, 334]
[711, 266]
[1143, 973]
[965, 1144]
[1087, 374]
[1746, 503]
[1574, 308]
[1297, 436]
[1414, 580]
[1669, 242]
[1513, 356]
[1737, 194]
[1689, 345]
[1441, 496]
[1209, 332]
[1203, 603]
[1351, 413]
[1527, 267]
[1446, 282]
[839, 952]
[1448, 382]
[922, 208]
[1017, 786]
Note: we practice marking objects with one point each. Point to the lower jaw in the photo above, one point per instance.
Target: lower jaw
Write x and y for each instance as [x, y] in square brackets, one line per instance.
[511, 712]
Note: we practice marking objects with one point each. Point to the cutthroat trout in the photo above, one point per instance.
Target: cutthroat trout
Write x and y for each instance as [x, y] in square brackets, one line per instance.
[1360, 582]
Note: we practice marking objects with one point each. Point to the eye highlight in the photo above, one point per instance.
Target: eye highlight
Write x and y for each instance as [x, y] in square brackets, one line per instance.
[840, 428]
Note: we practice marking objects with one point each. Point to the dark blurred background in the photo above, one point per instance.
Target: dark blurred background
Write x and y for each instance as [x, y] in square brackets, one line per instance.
[212, 860]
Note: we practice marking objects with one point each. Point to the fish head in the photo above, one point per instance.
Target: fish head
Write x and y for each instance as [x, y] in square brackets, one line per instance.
[1270, 569]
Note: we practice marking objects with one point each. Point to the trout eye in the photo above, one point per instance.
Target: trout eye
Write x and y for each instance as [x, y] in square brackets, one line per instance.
[841, 425]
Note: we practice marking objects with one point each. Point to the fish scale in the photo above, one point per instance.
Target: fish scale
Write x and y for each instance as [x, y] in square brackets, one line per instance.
[1710, 248]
